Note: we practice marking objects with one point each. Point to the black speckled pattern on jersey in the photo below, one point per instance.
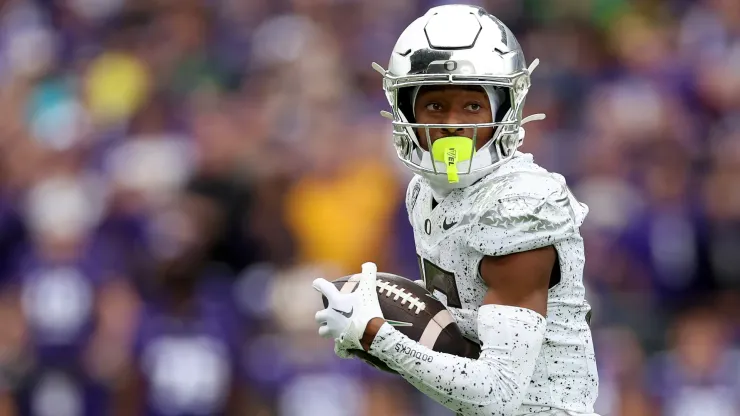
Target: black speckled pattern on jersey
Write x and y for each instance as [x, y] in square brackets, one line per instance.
[518, 207]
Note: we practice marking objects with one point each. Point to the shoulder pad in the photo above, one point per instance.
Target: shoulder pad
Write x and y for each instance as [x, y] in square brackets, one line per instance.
[522, 184]
[523, 211]
[412, 193]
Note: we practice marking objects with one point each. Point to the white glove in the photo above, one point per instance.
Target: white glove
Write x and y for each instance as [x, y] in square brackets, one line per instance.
[347, 314]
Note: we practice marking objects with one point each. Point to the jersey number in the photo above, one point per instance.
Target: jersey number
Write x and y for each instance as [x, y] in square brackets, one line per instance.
[441, 280]
[444, 281]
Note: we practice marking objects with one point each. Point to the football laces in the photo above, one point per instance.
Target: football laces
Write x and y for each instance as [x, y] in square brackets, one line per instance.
[400, 293]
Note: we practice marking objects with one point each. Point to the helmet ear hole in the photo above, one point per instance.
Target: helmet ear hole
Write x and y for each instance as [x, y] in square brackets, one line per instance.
[505, 105]
[405, 105]
[501, 112]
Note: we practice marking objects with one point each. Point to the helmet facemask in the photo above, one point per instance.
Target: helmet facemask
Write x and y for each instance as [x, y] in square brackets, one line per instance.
[458, 164]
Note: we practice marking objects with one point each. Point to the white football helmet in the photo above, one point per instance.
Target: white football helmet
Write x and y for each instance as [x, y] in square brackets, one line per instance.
[457, 45]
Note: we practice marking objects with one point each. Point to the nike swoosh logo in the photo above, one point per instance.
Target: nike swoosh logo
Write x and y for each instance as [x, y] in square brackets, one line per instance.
[446, 226]
[345, 314]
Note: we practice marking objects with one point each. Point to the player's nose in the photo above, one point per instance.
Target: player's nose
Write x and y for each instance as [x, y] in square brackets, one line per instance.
[453, 118]
[453, 130]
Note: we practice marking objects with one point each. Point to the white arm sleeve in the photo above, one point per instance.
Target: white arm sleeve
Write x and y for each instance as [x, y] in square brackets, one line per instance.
[494, 384]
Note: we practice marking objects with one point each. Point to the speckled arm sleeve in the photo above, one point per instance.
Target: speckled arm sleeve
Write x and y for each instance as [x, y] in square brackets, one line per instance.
[494, 384]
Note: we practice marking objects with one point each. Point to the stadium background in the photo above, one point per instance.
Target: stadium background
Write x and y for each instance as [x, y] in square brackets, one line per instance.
[173, 174]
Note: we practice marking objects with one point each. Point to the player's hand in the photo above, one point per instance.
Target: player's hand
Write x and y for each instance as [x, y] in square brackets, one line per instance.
[348, 314]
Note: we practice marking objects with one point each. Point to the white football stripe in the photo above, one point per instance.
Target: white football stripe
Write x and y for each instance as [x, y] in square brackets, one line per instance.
[435, 327]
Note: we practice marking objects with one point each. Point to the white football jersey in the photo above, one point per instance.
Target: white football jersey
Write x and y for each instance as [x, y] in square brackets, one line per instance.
[518, 207]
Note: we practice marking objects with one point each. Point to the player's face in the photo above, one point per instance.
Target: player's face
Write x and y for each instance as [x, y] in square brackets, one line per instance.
[453, 105]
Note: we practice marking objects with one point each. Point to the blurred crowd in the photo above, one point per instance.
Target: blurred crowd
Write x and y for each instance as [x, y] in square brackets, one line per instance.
[175, 173]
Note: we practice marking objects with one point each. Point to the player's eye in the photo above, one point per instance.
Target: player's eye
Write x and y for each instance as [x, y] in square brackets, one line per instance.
[473, 107]
[434, 107]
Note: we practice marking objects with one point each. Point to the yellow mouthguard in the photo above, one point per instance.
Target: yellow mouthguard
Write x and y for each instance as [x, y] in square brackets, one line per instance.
[451, 151]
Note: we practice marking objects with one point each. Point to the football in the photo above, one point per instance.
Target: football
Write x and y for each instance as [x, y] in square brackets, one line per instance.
[415, 312]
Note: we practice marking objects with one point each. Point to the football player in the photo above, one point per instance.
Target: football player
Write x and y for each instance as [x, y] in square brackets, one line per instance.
[497, 236]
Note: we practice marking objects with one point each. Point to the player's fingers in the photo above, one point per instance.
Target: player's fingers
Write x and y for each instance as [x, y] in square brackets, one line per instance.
[324, 332]
[324, 287]
[369, 275]
[322, 316]
[369, 270]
